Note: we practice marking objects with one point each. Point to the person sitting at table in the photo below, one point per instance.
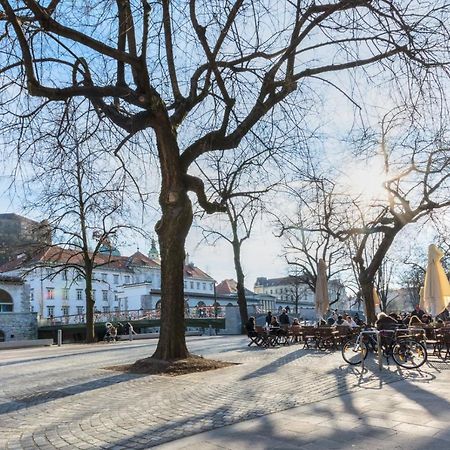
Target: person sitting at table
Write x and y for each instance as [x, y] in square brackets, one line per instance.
[274, 324]
[250, 326]
[414, 320]
[426, 319]
[385, 322]
[417, 311]
[341, 322]
[351, 322]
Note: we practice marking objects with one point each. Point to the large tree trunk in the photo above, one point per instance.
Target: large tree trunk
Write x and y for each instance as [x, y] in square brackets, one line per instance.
[90, 332]
[367, 294]
[242, 301]
[172, 230]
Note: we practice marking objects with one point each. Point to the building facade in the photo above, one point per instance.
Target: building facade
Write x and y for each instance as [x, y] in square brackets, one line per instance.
[292, 292]
[120, 283]
[16, 320]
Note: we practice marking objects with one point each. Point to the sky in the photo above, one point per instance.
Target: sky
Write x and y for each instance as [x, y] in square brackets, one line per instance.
[260, 254]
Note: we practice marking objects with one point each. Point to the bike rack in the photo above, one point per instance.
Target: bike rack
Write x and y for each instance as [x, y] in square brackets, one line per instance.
[380, 354]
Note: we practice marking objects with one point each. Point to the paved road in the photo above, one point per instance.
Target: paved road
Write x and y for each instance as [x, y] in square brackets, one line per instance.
[63, 397]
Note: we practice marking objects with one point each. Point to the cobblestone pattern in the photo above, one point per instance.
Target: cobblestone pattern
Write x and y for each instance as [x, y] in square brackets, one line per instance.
[69, 401]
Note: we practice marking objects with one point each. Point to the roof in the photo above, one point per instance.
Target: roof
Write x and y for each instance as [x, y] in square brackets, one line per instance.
[15, 216]
[139, 259]
[194, 272]
[12, 280]
[55, 255]
[229, 287]
[278, 281]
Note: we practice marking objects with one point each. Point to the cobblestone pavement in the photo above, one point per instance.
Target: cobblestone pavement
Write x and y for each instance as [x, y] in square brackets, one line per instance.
[63, 397]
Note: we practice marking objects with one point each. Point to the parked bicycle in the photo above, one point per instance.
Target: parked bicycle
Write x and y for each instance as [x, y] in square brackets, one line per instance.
[404, 349]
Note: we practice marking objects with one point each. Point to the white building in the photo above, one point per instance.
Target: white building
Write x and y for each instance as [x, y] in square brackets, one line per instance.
[291, 291]
[120, 282]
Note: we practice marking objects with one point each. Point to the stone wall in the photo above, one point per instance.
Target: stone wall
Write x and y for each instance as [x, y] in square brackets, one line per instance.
[18, 326]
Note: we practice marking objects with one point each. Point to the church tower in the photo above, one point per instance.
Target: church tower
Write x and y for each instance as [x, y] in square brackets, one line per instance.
[153, 253]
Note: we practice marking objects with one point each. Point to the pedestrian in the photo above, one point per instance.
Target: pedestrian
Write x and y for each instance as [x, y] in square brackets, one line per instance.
[130, 329]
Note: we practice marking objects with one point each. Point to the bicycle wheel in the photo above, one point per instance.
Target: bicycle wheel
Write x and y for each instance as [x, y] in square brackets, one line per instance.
[354, 351]
[409, 354]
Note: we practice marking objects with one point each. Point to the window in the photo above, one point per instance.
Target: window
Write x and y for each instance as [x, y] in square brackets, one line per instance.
[93, 294]
[65, 293]
[31, 295]
[80, 309]
[6, 302]
[198, 285]
[127, 279]
[185, 284]
[116, 279]
[50, 293]
[116, 298]
[116, 308]
[50, 311]
[106, 309]
[204, 286]
[105, 296]
[192, 285]
[65, 310]
[104, 277]
[79, 294]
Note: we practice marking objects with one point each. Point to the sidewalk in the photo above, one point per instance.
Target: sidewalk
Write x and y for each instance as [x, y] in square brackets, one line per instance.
[410, 414]
[288, 397]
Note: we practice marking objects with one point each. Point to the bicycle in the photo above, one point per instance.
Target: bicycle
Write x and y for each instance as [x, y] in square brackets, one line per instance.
[404, 350]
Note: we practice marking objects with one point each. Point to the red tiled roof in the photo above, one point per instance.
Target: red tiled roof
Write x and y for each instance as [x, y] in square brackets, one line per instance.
[139, 259]
[227, 287]
[194, 272]
[58, 255]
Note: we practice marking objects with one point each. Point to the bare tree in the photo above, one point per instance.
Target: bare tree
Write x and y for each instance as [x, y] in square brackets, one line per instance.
[84, 193]
[222, 66]
[238, 180]
[305, 235]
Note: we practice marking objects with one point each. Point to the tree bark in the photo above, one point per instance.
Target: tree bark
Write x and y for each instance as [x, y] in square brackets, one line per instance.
[172, 236]
[172, 230]
[242, 301]
[367, 293]
[90, 332]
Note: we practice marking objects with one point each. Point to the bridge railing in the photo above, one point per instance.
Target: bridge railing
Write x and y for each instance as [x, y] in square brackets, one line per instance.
[200, 312]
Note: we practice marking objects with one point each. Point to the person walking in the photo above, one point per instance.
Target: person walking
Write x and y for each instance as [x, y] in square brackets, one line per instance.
[130, 329]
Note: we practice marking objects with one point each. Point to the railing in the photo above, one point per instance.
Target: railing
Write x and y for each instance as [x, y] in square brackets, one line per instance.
[200, 312]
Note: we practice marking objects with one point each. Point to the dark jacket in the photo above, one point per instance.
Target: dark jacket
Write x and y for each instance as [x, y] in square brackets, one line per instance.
[284, 319]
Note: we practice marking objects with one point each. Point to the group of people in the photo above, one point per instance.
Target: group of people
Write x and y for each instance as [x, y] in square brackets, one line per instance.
[111, 333]
[278, 325]
[345, 320]
[416, 317]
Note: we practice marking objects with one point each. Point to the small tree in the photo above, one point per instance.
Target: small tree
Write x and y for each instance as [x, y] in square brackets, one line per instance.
[83, 192]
